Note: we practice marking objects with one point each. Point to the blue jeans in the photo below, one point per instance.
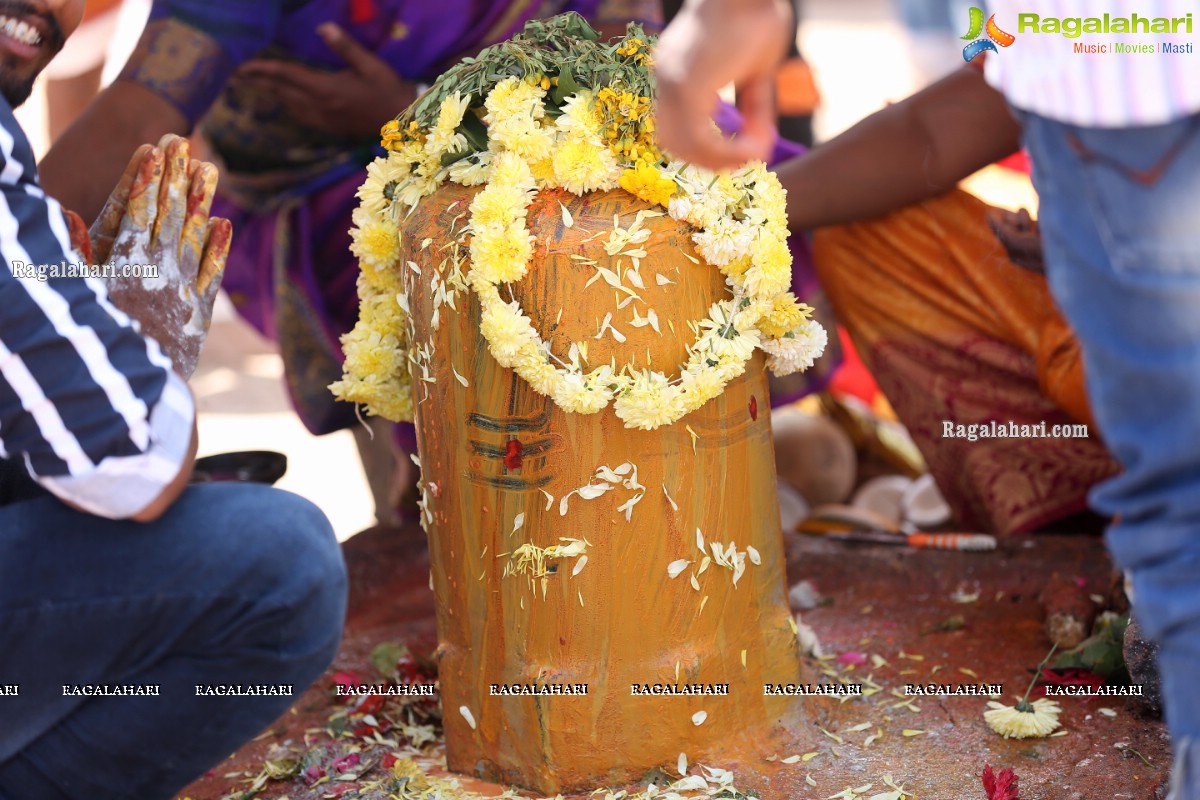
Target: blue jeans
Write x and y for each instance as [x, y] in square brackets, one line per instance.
[1120, 223]
[235, 585]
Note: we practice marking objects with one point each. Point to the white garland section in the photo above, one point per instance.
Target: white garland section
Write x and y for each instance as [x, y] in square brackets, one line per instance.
[741, 225]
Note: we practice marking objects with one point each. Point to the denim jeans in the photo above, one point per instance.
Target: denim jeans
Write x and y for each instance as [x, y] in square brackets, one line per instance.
[1120, 223]
[236, 585]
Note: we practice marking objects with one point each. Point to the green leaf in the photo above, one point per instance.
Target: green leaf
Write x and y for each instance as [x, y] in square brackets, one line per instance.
[473, 128]
[385, 656]
[566, 86]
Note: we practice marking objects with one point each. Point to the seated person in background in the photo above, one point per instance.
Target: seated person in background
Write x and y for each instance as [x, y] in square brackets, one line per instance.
[945, 301]
[121, 588]
[290, 95]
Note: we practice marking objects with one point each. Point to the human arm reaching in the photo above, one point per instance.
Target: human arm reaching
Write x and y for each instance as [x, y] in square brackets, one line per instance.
[708, 45]
[908, 152]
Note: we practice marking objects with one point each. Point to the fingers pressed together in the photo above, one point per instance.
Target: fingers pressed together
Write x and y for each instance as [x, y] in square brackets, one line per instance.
[164, 198]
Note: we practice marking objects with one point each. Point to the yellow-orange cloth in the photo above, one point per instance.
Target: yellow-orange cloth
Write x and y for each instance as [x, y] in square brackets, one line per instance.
[954, 331]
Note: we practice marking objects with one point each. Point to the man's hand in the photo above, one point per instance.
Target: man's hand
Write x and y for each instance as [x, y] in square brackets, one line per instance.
[158, 216]
[1019, 234]
[710, 44]
[354, 102]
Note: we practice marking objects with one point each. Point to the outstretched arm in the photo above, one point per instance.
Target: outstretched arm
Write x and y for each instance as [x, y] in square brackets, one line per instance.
[908, 152]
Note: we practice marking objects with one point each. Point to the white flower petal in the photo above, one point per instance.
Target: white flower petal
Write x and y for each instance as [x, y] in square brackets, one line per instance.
[676, 567]
[467, 715]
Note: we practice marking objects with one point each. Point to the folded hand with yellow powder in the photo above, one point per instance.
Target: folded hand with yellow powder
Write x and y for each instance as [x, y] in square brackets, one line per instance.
[158, 217]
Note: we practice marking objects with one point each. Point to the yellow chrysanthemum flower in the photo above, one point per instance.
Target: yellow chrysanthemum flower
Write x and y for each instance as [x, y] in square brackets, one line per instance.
[374, 240]
[786, 313]
[649, 402]
[736, 269]
[724, 240]
[522, 136]
[543, 173]
[473, 170]
[507, 330]
[378, 280]
[443, 138]
[501, 254]
[539, 373]
[584, 166]
[772, 269]
[383, 175]
[498, 205]
[513, 97]
[699, 385]
[1023, 721]
[797, 349]
[580, 116]
[509, 169]
[375, 372]
[646, 182]
[581, 394]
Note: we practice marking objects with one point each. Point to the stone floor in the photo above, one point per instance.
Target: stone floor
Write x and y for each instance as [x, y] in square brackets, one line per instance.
[879, 599]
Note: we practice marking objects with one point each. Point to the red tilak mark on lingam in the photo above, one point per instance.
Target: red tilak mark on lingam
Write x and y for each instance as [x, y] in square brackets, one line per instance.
[512, 455]
[753, 407]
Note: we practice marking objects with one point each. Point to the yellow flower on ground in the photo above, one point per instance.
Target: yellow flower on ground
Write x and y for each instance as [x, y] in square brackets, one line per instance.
[1023, 721]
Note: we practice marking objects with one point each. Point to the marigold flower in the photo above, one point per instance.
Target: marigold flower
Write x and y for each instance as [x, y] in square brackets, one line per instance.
[646, 182]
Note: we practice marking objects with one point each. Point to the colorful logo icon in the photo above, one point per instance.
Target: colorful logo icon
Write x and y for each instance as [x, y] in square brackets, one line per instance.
[994, 37]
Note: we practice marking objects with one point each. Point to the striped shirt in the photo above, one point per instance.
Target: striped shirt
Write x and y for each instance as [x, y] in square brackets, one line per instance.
[1099, 79]
[92, 409]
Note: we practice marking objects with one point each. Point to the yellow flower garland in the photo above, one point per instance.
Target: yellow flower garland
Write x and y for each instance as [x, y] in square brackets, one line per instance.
[598, 141]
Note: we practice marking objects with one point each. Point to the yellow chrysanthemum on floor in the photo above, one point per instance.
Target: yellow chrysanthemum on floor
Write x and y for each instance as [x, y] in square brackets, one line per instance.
[1024, 720]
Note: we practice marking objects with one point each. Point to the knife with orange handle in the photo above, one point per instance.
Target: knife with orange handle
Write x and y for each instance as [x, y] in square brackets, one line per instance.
[849, 524]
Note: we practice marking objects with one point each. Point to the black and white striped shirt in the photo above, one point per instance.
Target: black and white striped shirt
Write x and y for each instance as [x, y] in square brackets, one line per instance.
[92, 409]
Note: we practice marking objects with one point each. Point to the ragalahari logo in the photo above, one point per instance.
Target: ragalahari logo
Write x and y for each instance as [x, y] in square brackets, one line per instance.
[994, 37]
